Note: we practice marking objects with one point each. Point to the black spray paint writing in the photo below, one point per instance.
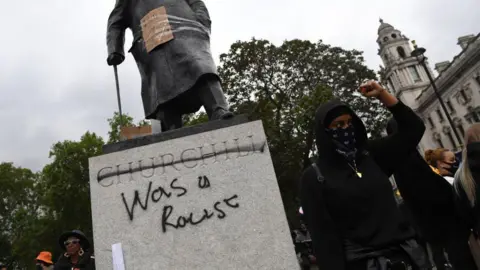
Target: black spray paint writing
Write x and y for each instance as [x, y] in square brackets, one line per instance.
[182, 221]
[154, 195]
[189, 158]
[203, 182]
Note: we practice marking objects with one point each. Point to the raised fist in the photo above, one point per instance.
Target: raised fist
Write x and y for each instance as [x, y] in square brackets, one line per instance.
[371, 89]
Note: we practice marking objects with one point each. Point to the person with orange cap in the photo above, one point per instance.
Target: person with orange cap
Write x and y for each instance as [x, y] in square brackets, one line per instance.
[44, 261]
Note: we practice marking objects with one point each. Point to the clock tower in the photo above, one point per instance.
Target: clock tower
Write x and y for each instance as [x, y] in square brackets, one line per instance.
[402, 74]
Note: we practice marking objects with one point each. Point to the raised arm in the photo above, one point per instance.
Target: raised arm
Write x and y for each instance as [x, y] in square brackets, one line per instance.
[201, 12]
[117, 24]
[327, 244]
[389, 152]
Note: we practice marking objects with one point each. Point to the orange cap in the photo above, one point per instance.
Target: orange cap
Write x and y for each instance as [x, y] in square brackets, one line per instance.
[45, 256]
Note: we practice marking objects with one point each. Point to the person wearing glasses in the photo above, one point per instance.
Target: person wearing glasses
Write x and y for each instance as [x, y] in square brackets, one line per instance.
[77, 255]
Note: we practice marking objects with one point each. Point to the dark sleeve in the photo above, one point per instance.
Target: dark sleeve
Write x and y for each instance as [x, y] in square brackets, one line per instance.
[389, 152]
[91, 265]
[116, 28]
[326, 242]
[201, 12]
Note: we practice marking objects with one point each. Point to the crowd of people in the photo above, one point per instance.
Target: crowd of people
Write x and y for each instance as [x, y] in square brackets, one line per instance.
[353, 220]
[349, 208]
[76, 256]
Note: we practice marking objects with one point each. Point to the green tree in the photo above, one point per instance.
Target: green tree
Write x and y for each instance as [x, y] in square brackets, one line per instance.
[65, 189]
[116, 122]
[283, 85]
[195, 119]
[18, 211]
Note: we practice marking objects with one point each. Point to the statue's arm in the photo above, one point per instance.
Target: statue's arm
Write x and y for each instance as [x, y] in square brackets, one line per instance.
[201, 11]
[117, 24]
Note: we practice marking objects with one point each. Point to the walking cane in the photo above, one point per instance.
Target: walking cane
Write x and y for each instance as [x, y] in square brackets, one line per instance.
[118, 94]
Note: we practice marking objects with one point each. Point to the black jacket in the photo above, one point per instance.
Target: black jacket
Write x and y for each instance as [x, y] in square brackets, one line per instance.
[359, 211]
[429, 197]
[86, 262]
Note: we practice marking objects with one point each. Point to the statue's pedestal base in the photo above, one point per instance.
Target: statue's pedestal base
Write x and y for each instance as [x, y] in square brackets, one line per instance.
[201, 197]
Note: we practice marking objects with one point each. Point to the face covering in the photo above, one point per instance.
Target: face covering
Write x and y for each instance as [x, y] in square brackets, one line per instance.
[344, 136]
[39, 267]
[453, 167]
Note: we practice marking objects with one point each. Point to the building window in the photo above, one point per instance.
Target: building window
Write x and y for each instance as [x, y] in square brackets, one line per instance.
[414, 72]
[463, 94]
[463, 97]
[438, 139]
[461, 129]
[452, 141]
[459, 126]
[473, 115]
[430, 121]
[401, 52]
[450, 106]
[440, 115]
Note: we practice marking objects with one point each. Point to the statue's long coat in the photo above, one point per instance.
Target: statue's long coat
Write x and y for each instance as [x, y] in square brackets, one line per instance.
[172, 68]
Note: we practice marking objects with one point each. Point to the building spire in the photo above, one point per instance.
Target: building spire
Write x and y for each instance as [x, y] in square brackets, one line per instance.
[381, 20]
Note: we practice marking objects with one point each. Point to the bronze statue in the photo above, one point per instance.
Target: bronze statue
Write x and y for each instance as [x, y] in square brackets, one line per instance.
[171, 46]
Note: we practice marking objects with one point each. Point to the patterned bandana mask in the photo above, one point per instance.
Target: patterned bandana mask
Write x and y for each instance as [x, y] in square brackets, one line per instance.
[344, 139]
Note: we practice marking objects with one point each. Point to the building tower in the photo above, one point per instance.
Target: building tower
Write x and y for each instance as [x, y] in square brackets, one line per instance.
[402, 74]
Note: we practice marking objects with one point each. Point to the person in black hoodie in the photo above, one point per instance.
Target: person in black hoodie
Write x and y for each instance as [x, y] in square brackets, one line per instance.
[430, 200]
[77, 255]
[347, 198]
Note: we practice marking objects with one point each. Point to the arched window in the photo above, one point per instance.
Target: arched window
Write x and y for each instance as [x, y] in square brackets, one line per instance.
[401, 52]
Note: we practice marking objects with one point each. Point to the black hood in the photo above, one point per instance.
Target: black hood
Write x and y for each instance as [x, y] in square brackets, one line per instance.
[325, 146]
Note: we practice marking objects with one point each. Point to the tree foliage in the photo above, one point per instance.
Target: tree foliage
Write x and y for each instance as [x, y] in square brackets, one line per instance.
[116, 122]
[65, 183]
[18, 207]
[40, 207]
[283, 85]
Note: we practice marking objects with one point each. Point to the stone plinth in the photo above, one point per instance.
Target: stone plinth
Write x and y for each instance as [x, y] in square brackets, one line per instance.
[204, 200]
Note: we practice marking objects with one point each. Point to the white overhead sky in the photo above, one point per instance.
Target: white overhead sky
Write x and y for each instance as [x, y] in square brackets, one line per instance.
[55, 84]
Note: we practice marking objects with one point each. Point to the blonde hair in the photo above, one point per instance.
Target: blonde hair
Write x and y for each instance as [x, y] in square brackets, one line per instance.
[464, 175]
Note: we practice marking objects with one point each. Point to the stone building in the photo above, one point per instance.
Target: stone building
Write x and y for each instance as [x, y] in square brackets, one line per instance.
[458, 82]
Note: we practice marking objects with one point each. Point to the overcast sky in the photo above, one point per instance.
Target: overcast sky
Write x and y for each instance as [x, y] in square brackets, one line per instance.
[55, 84]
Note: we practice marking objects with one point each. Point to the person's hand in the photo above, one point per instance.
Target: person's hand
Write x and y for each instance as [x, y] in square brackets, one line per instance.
[371, 89]
[115, 59]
